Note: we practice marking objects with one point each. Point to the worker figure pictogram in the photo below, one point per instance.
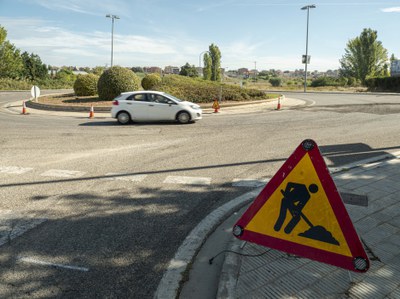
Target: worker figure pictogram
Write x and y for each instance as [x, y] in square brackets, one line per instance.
[294, 199]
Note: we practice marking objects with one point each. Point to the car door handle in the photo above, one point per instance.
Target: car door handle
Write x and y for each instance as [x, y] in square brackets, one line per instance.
[151, 105]
[129, 103]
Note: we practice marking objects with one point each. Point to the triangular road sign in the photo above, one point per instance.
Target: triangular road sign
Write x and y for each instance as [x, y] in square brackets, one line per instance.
[300, 211]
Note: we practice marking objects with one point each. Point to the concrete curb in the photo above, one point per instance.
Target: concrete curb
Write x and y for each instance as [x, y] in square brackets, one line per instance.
[47, 107]
[170, 283]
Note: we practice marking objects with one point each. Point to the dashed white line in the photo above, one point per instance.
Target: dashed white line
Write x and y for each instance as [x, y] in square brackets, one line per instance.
[14, 169]
[63, 173]
[43, 263]
[125, 177]
[187, 180]
[252, 183]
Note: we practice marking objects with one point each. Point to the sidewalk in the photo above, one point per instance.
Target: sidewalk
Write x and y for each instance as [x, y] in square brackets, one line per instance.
[275, 274]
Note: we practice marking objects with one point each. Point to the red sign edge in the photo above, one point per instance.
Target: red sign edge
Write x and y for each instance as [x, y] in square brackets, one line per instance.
[335, 200]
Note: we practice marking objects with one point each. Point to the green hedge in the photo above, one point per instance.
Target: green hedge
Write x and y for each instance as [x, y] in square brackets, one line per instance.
[13, 84]
[86, 85]
[198, 90]
[115, 80]
[383, 84]
[151, 81]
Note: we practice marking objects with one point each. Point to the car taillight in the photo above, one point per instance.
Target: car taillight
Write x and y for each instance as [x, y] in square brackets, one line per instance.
[115, 103]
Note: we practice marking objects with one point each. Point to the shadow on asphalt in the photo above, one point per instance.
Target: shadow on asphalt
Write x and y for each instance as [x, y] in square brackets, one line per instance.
[341, 154]
[125, 241]
[135, 124]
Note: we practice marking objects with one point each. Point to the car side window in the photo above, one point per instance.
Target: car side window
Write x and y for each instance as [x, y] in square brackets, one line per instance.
[161, 99]
[140, 97]
[156, 98]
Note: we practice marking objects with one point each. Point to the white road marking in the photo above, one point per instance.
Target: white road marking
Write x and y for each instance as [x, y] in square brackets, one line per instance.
[14, 169]
[43, 263]
[187, 180]
[63, 173]
[124, 177]
[249, 183]
[13, 225]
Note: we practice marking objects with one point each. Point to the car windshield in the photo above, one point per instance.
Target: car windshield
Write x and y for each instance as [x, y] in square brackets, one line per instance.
[174, 98]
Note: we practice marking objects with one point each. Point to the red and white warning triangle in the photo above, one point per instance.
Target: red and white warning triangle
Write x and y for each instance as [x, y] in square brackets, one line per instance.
[300, 211]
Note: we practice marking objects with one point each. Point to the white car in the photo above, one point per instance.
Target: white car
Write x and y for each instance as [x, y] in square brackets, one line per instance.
[153, 106]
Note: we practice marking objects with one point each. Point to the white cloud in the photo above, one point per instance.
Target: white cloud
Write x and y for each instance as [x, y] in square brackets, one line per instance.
[391, 9]
[89, 7]
[58, 46]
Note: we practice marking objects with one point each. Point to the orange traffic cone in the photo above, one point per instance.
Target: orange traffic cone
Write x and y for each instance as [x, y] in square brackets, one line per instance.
[279, 104]
[216, 106]
[24, 111]
[91, 113]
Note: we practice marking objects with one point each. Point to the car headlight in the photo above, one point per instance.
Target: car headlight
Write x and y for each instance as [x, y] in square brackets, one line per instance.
[195, 107]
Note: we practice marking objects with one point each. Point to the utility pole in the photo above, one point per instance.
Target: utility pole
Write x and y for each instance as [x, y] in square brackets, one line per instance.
[307, 7]
[113, 17]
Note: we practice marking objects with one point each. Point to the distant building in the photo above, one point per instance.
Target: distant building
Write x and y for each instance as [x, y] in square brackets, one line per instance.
[79, 73]
[152, 69]
[171, 70]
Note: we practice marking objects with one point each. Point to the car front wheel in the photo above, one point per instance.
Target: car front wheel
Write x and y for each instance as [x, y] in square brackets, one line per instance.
[183, 117]
[123, 118]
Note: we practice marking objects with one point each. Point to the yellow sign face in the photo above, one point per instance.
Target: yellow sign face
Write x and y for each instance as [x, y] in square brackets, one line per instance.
[299, 211]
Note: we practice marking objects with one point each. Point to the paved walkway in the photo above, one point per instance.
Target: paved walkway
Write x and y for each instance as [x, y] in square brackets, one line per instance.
[274, 274]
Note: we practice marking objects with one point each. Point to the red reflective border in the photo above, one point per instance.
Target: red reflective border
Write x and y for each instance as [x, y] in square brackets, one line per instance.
[336, 202]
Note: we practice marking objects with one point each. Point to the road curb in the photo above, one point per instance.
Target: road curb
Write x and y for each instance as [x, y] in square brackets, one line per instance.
[47, 107]
[171, 281]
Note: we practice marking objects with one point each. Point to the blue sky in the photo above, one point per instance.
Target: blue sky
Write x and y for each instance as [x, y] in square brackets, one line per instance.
[271, 33]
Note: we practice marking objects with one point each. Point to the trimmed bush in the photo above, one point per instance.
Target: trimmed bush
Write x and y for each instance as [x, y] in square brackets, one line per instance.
[86, 85]
[115, 80]
[198, 90]
[275, 82]
[151, 81]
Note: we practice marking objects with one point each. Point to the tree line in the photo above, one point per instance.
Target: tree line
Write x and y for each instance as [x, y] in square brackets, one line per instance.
[364, 57]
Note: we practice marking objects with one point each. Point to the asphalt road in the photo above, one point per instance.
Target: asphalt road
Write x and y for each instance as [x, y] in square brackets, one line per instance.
[89, 208]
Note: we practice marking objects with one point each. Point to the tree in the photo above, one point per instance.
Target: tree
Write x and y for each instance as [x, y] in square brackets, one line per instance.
[188, 70]
[215, 55]
[207, 67]
[364, 57]
[98, 70]
[33, 67]
[3, 35]
[11, 65]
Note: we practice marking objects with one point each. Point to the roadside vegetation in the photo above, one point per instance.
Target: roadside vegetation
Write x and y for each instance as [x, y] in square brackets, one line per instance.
[364, 67]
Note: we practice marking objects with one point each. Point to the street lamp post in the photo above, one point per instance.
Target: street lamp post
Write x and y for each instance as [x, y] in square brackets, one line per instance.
[113, 17]
[307, 7]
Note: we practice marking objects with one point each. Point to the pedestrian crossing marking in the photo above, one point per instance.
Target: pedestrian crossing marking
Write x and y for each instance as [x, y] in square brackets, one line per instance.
[14, 169]
[187, 180]
[63, 173]
[125, 177]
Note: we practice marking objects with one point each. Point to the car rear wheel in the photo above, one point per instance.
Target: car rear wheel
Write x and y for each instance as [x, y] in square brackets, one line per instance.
[183, 117]
[123, 118]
